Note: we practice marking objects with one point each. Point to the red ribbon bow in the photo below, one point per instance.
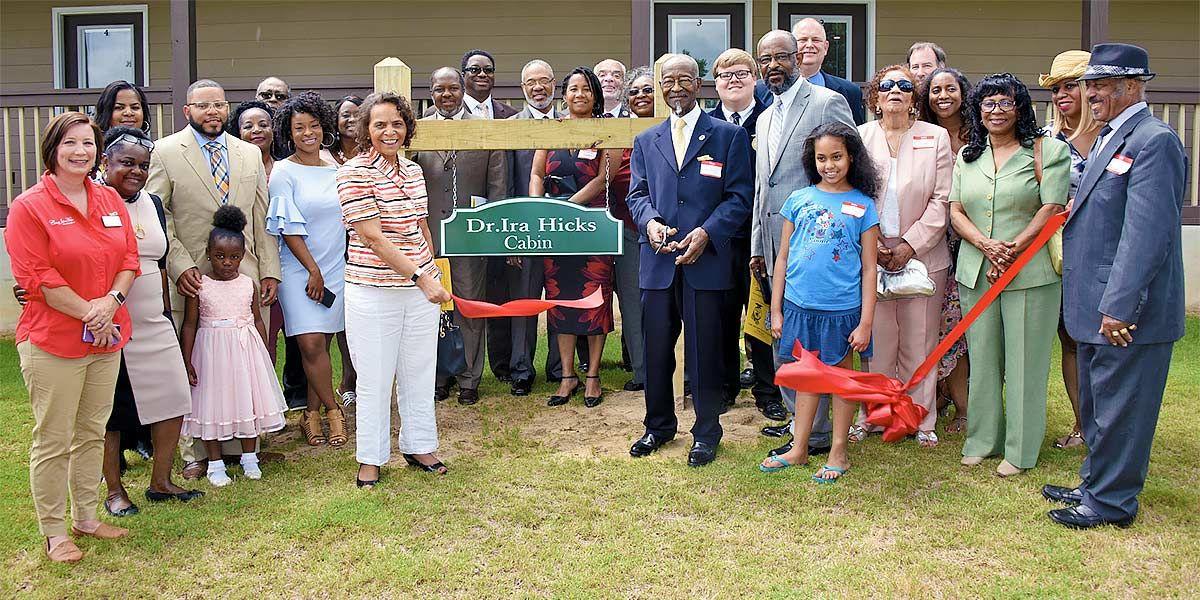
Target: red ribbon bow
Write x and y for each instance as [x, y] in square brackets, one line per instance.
[524, 307]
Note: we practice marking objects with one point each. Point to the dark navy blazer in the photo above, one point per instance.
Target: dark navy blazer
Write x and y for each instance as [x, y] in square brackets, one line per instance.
[845, 87]
[685, 199]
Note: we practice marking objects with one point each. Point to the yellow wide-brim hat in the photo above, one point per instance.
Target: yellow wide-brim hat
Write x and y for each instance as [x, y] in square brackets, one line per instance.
[1068, 65]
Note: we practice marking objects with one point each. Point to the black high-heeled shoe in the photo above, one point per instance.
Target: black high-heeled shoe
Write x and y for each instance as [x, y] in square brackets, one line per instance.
[561, 400]
[593, 401]
[367, 483]
[436, 467]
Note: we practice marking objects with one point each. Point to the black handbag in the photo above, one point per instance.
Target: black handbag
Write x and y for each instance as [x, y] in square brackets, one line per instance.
[451, 354]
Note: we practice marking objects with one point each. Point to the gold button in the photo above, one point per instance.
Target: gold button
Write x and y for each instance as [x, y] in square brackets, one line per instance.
[989, 197]
[988, 213]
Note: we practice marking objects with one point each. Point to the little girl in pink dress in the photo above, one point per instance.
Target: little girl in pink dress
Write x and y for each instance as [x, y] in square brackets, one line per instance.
[234, 390]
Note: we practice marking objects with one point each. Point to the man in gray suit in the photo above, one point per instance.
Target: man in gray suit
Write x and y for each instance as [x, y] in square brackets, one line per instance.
[1122, 287]
[797, 109]
[452, 180]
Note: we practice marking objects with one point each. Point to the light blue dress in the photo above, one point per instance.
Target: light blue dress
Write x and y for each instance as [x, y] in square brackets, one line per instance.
[304, 202]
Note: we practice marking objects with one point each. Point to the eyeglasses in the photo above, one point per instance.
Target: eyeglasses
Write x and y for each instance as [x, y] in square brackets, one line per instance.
[543, 82]
[277, 95]
[779, 57]
[992, 106]
[205, 106]
[478, 70]
[903, 85]
[684, 81]
[731, 75]
[642, 91]
[130, 139]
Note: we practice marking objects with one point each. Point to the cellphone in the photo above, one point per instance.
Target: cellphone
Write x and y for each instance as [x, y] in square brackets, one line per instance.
[327, 298]
[88, 337]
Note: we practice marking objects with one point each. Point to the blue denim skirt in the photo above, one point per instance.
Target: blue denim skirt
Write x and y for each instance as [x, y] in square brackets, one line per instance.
[823, 331]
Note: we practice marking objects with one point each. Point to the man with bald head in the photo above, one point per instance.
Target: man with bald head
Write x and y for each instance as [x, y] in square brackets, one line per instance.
[611, 73]
[459, 180]
[689, 193]
[812, 45]
[798, 107]
[273, 91]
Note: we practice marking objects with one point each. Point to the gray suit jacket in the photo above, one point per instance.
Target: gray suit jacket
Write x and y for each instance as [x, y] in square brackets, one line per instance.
[521, 161]
[775, 181]
[479, 173]
[1122, 254]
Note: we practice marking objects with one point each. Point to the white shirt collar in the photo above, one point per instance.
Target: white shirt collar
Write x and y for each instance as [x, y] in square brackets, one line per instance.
[744, 114]
[1126, 114]
[473, 104]
[457, 116]
[690, 118]
[615, 112]
[789, 96]
[537, 114]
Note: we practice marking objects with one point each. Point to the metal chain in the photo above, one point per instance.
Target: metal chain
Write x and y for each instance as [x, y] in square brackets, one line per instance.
[454, 177]
[607, 181]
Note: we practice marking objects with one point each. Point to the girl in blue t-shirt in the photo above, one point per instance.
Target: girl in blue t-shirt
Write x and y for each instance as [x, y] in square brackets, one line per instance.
[825, 303]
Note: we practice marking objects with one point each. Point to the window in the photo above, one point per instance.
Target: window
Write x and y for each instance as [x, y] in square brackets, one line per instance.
[95, 46]
[846, 28]
[702, 30]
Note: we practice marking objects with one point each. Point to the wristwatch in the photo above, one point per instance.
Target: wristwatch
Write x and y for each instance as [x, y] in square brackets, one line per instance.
[417, 274]
[118, 296]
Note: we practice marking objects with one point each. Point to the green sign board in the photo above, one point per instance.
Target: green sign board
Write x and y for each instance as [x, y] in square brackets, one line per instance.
[531, 227]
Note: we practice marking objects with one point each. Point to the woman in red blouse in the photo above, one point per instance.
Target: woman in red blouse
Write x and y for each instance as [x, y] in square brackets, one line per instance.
[72, 247]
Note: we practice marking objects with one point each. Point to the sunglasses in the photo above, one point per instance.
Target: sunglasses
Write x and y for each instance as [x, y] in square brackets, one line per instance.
[129, 139]
[478, 70]
[904, 85]
[277, 95]
[644, 90]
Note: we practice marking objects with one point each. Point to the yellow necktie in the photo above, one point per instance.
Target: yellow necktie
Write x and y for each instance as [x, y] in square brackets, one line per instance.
[681, 142]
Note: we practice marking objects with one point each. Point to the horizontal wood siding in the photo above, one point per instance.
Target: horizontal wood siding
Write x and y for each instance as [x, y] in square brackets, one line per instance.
[1169, 31]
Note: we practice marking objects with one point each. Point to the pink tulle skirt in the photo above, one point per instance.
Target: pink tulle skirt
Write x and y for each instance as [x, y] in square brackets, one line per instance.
[236, 394]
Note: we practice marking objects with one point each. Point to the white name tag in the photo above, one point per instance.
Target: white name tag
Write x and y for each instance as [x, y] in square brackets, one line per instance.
[111, 220]
[588, 153]
[1119, 165]
[924, 141]
[854, 210]
[711, 168]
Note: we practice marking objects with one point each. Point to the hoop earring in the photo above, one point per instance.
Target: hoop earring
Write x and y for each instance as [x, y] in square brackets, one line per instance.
[329, 144]
[878, 112]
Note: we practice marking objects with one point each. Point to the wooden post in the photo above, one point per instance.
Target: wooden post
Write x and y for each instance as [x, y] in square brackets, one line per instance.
[1095, 23]
[183, 52]
[392, 75]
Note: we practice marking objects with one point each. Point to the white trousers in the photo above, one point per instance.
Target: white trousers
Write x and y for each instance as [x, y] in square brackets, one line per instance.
[392, 334]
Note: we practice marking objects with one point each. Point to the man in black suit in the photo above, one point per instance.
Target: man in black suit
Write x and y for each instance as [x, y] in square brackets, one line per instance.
[813, 46]
[734, 71]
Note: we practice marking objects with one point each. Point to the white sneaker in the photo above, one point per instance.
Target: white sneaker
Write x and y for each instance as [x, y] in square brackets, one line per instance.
[251, 470]
[219, 478]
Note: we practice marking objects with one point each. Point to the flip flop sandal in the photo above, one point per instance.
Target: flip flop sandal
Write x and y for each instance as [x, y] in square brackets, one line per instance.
[783, 464]
[857, 434]
[823, 481]
[927, 439]
[1070, 440]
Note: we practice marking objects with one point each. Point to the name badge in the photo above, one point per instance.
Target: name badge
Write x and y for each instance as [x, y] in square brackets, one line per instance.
[111, 220]
[854, 210]
[711, 168]
[588, 153]
[924, 141]
[1119, 165]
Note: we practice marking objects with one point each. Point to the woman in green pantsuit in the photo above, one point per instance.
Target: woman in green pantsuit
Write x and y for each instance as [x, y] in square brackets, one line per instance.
[998, 206]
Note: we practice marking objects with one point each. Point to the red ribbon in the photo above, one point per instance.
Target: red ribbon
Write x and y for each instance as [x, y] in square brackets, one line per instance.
[524, 307]
[886, 400]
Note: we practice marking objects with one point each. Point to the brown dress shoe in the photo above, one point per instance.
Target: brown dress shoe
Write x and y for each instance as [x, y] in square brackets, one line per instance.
[104, 532]
[195, 469]
[64, 552]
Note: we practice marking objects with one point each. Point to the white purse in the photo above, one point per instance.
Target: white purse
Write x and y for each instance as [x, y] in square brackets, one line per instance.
[910, 282]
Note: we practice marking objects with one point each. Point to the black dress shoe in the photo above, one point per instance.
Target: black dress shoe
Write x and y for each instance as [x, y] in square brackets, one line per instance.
[561, 400]
[467, 397]
[746, 379]
[521, 387]
[701, 454]
[818, 450]
[777, 430]
[185, 496]
[774, 410]
[632, 386]
[647, 444]
[1064, 495]
[1082, 517]
[784, 449]
[441, 392]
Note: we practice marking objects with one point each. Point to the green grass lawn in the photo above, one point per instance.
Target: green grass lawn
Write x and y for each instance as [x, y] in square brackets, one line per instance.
[546, 502]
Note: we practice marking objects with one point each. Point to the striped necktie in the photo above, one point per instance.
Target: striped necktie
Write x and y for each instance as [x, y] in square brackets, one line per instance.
[220, 170]
[737, 118]
[776, 135]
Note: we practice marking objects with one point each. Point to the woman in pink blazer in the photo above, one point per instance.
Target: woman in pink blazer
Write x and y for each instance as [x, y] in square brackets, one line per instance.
[915, 164]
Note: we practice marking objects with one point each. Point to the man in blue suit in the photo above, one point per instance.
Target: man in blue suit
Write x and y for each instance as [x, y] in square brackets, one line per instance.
[1122, 287]
[812, 45]
[690, 193]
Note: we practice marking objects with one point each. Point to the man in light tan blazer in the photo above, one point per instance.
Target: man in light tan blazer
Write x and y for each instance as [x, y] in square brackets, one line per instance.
[196, 171]
[479, 174]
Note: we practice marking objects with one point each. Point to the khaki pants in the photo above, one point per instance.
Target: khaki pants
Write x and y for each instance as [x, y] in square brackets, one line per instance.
[71, 399]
